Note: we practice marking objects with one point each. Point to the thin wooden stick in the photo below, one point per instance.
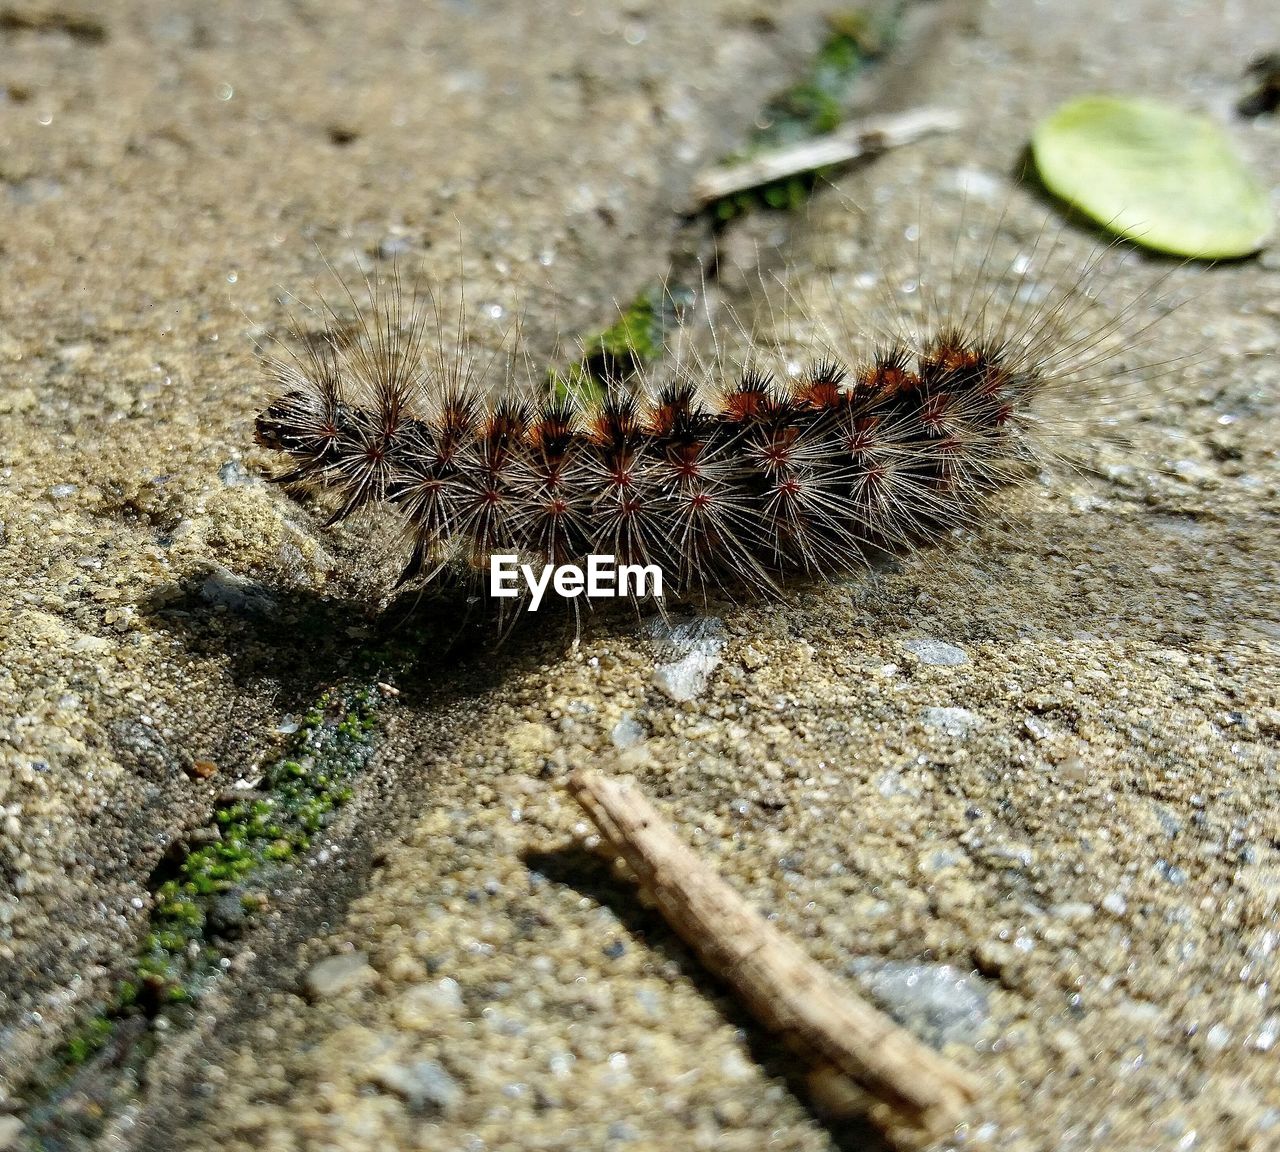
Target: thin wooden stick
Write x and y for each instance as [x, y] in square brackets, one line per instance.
[874, 134]
[916, 1092]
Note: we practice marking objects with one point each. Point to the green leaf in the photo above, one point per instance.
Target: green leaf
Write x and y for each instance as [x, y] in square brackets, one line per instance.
[1161, 177]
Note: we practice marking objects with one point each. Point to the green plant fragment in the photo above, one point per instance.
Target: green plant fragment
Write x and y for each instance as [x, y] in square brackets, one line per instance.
[1161, 177]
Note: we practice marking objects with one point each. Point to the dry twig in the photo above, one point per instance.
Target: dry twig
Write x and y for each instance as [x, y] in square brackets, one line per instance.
[916, 1093]
[865, 137]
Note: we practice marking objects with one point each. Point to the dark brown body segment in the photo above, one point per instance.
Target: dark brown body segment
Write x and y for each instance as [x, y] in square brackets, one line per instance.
[806, 477]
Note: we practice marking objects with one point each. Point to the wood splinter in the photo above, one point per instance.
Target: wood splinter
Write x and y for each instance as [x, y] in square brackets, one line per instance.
[916, 1094]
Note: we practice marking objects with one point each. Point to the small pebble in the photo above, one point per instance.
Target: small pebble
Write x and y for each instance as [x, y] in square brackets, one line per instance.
[10, 1132]
[228, 914]
[425, 1085]
[338, 974]
[235, 475]
[952, 721]
[1114, 903]
[1217, 1038]
[223, 588]
[627, 732]
[203, 769]
[688, 653]
[941, 1002]
[936, 652]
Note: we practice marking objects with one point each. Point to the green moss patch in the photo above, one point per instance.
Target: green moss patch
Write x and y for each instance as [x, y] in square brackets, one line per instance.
[813, 106]
[622, 350]
[214, 892]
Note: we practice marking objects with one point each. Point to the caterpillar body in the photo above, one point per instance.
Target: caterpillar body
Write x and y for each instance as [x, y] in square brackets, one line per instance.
[729, 478]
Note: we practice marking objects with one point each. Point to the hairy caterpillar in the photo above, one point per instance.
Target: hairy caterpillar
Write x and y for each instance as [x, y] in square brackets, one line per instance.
[724, 474]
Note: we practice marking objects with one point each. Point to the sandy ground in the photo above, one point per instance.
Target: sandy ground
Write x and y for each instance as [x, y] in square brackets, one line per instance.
[1024, 791]
[169, 177]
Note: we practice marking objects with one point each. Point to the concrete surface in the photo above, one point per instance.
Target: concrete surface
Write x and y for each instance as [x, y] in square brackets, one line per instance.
[1068, 836]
